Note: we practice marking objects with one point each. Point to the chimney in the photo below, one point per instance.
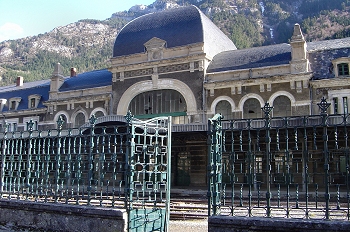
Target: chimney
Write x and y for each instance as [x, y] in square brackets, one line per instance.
[19, 81]
[73, 72]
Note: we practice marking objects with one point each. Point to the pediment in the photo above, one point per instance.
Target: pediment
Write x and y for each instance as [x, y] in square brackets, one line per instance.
[155, 43]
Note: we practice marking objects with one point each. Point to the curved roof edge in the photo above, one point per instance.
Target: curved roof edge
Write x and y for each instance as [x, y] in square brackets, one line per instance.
[178, 27]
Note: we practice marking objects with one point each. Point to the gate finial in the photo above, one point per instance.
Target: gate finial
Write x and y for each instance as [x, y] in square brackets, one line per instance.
[323, 105]
[128, 117]
[267, 109]
[60, 122]
[92, 120]
[30, 125]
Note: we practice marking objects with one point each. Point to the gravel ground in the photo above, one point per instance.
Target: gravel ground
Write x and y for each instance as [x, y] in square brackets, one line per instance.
[189, 226]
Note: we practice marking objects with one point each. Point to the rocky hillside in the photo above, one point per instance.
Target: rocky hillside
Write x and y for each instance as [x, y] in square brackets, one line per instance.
[87, 44]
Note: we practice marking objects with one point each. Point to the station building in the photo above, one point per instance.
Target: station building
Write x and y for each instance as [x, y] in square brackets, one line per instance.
[178, 63]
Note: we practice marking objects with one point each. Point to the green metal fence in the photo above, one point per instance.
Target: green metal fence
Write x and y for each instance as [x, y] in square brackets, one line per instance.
[93, 166]
[292, 167]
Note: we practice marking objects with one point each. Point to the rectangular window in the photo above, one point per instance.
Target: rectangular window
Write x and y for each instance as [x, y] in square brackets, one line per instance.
[12, 127]
[345, 105]
[32, 103]
[335, 104]
[13, 105]
[343, 69]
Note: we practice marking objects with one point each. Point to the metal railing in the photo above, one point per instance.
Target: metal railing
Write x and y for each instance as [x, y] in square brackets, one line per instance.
[82, 166]
[293, 167]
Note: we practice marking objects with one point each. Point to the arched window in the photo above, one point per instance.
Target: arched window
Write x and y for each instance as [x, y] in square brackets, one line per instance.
[282, 107]
[79, 119]
[252, 108]
[158, 103]
[224, 108]
[99, 114]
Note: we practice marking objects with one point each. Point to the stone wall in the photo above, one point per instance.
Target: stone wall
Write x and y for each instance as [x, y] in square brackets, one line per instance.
[240, 224]
[36, 216]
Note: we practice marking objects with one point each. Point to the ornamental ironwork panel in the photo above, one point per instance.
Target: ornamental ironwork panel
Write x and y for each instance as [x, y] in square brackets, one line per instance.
[292, 167]
[83, 166]
[148, 174]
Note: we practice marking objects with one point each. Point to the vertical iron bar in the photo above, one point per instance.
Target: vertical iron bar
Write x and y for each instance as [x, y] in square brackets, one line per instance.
[232, 171]
[92, 121]
[3, 156]
[347, 164]
[267, 109]
[168, 173]
[29, 161]
[306, 168]
[323, 105]
[250, 173]
[289, 177]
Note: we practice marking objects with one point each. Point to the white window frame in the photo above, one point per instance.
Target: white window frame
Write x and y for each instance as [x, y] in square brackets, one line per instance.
[17, 100]
[340, 95]
[2, 103]
[12, 124]
[37, 98]
[342, 60]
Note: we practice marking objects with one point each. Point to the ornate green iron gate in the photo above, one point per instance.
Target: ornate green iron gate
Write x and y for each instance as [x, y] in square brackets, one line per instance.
[148, 174]
[121, 165]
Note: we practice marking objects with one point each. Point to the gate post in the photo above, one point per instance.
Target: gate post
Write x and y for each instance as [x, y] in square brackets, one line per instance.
[267, 109]
[214, 165]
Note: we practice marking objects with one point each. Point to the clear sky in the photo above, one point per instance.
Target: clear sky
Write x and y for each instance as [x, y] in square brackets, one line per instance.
[21, 18]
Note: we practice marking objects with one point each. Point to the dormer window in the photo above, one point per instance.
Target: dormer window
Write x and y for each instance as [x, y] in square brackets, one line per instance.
[14, 103]
[2, 103]
[343, 69]
[341, 66]
[33, 101]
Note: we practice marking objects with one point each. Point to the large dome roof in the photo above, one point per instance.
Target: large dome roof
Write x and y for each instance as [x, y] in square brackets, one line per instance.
[178, 27]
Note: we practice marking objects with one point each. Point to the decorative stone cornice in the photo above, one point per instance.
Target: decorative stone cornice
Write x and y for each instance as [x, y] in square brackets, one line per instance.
[258, 81]
[191, 50]
[329, 83]
[158, 69]
[83, 93]
[28, 112]
[63, 101]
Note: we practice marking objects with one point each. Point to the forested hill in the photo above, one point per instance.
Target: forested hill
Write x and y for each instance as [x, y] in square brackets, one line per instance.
[87, 44]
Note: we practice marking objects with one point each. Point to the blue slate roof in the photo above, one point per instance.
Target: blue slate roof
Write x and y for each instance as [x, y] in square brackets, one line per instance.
[93, 79]
[97, 78]
[251, 58]
[178, 27]
[321, 54]
[37, 87]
